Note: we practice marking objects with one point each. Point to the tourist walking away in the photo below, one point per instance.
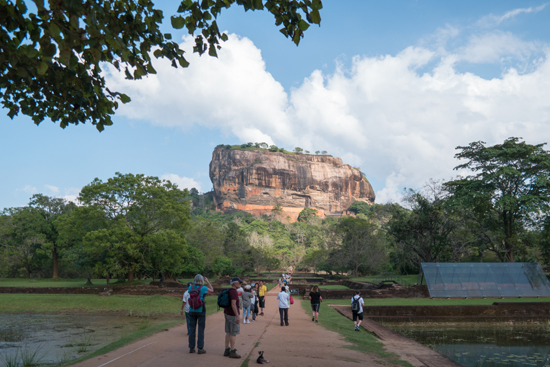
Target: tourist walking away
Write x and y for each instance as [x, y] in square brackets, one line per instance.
[254, 308]
[240, 291]
[284, 304]
[357, 310]
[185, 305]
[261, 295]
[315, 299]
[247, 303]
[232, 317]
[197, 312]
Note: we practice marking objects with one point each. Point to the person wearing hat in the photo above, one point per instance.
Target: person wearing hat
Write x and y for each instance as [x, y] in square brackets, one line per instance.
[232, 318]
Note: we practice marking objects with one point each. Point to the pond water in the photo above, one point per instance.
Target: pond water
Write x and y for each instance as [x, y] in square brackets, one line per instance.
[54, 339]
[483, 343]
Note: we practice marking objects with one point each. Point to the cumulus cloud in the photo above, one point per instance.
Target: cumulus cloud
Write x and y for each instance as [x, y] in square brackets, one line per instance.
[182, 182]
[399, 117]
[29, 189]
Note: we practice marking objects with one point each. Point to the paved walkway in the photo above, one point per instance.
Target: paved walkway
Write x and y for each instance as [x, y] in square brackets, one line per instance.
[303, 344]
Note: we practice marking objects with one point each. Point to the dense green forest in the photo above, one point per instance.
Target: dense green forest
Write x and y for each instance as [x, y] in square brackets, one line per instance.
[136, 226]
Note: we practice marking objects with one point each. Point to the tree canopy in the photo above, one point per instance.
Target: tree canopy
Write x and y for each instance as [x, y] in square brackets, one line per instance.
[51, 59]
[510, 182]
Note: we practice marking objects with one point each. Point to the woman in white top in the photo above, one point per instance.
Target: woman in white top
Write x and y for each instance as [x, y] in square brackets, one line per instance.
[284, 304]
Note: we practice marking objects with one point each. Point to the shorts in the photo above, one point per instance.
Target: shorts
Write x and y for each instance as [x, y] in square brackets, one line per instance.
[262, 302]
[231, 327]
[357, 316]
[315, 307]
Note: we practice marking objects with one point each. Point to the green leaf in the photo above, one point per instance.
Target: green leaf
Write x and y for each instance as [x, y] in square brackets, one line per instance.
[157, 53]
[124, 98]
[42, 68]
[150, 69]
[212, 51]
[224, 37]
[315, 16]
[168, 36]
[183, 62]
[54, 30]
[303, 25]
[177, 22]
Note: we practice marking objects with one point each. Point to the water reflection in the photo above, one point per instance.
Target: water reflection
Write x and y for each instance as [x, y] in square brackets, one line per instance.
[483, 343]
[59, 338]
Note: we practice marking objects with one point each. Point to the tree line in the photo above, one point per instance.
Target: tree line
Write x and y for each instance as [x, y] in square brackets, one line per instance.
[135, 226]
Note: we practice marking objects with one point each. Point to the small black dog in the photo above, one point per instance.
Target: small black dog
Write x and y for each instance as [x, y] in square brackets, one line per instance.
[261, 359]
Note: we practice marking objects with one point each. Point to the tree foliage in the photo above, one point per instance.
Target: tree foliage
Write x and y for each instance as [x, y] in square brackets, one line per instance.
[51, 58]
[510, 182]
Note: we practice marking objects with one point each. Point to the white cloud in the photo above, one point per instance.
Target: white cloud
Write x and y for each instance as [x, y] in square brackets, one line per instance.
[399, 117]
[182, 182]
[492, 20]
[28, 189]
[71, 194]
[53, 189]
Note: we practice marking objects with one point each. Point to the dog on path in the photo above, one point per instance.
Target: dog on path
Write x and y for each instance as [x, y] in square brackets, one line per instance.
[261, 359]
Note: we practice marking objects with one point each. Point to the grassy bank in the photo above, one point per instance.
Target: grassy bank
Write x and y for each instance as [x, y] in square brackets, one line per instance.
[333, 287]
[411, 279]
[361, 341]
[78, 282]
[432, 302]
[130, 305]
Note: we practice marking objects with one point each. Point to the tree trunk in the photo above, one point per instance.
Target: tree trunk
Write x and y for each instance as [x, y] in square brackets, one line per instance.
[131, 275]
[55, 275]
[28, 270]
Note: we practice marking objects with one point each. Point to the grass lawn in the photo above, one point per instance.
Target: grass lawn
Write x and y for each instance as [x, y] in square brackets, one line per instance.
[78, 282]
[333, 287]
[131, 305]
[362, 341]
[432, 302]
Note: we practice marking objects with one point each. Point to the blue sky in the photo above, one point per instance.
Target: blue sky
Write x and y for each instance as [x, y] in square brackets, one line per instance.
[392, 87]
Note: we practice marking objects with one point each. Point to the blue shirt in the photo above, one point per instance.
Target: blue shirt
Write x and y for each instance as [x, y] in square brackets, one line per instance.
[203, 291]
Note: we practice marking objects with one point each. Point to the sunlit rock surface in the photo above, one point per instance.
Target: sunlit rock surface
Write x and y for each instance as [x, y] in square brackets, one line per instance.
[255, 181]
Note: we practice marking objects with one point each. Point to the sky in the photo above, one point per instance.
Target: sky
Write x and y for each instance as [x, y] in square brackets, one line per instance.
[390, 87]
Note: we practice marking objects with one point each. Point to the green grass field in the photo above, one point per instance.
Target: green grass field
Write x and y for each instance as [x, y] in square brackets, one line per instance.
[362, 341]
[77, 282]
[130, 305]
[333, 287]
[432, 302]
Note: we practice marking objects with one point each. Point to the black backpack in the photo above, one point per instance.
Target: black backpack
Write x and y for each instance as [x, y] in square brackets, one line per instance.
[355, 306]
[224, 300]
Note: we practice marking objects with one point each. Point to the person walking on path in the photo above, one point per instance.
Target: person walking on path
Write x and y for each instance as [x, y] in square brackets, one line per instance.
[357, 310]
[185, 305]
[254, 307]
[197, 312]
[247, 303]
[232, 317]
[316, 299]
[261, 295]
[284, 304]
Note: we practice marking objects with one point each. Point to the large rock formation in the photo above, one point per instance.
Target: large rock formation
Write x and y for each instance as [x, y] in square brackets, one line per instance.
[255, 181]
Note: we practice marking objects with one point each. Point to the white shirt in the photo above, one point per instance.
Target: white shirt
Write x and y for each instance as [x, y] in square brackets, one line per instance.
[186, 300]
[284, 300]
[361, 303]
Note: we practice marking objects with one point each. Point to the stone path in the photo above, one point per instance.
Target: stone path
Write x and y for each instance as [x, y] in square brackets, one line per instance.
[303, 344]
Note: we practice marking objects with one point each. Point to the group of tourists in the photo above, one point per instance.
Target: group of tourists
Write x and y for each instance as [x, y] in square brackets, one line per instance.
[248, 302]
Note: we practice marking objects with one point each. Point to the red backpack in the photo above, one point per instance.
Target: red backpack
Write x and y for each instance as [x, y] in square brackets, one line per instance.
[195, 301]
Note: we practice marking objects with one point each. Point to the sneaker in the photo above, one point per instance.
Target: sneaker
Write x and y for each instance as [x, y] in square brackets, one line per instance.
[227, 352]
[201, 351]
[316, 321]
[313, 319]
[282, 324]
[191, 350]
[233, 354]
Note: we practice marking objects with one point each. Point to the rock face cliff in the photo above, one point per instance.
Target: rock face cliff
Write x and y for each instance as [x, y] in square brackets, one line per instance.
[255, 181]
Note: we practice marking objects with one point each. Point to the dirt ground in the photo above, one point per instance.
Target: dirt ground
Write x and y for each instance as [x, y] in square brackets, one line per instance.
[302, 343]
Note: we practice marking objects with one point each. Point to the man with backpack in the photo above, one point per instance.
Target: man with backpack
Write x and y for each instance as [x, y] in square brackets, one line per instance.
[197, 312]
[229, 300]
[357, 309]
